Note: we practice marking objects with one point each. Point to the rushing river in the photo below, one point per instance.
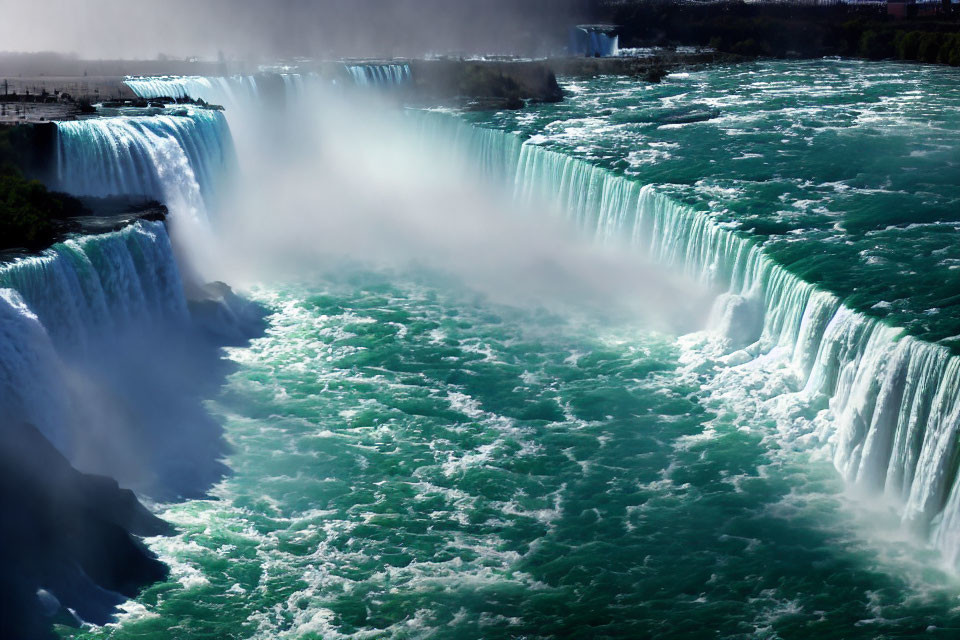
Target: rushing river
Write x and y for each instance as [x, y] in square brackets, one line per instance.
[413, 460]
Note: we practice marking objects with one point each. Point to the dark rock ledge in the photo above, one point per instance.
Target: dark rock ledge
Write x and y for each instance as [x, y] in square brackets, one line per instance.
[67, 540]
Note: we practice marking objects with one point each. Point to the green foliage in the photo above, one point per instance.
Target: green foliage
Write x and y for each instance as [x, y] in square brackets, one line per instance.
[872, 45]
[950, 49]
[953, 58]
[908, 44]
[929, 49]
[791, 30]
[8, 156]
[28, 211]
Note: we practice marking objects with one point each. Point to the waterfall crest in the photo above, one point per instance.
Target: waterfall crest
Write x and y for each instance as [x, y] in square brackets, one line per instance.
[892, 401]
[222, 90]
[176, 159]
[88, 288]
[379, 75]
[235, 93]
[66, 303]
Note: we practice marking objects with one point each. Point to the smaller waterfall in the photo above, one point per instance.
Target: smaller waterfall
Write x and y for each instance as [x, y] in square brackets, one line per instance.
[235, 93]
[379, 75]
[593, 40]
[176, 159]
[293, 85]
[227, 91]
[101, 353]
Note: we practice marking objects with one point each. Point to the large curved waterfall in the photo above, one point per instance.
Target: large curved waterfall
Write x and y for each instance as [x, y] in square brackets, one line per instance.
[411, 451]
[892, 413]
[890, 407]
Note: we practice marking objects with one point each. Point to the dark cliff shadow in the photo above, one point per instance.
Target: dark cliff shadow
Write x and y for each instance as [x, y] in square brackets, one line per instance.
[65, 533]
[147, 393]
[69, 529]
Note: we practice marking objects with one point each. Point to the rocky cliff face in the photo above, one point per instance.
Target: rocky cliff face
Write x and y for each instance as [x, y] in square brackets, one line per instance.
[67, 539]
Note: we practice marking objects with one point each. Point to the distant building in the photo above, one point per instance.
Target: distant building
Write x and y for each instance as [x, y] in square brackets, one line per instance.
[594, 40]
[911, 8]
[901, 9]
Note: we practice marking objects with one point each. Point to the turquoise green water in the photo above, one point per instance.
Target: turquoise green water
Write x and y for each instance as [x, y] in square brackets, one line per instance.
[848, 171]
[414, 462]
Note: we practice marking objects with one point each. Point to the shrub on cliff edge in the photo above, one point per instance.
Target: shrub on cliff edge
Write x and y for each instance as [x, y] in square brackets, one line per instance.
[28, 211]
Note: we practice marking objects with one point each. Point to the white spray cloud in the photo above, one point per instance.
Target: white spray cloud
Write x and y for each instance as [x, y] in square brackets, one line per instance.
[345, 177]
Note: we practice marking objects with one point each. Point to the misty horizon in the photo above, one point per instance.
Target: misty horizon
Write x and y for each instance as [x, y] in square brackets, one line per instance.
[258, 30]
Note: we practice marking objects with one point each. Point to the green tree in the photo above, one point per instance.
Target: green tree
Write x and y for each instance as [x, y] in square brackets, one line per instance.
[25, 212]
[929, 49]
[908, 45]
[876, 45]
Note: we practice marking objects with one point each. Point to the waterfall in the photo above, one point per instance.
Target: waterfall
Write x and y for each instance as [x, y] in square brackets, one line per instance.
[892, 401]
[293, 85]
[235, 93]
[176, 159]
[227, 91]
[593, 40]
[379, 75]
[492, 154]
[88, 288]
[246, 99]
[30, 372]
[891, 405]
[68, 302]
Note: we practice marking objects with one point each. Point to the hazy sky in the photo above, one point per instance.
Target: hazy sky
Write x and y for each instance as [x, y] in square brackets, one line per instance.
[271, 28]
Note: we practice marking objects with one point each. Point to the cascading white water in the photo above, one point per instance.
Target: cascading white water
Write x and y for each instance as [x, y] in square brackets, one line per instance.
[379, 75]
[177, 159]
[244, 97]
[293, 85]
[227, 91]
[103, 329]
[90, 287]
[71, 300]
[893, 402]
[31, 372]
[892, 410]
[235, 93]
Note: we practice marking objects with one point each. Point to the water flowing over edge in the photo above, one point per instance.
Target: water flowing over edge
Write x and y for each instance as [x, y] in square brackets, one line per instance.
[177, 159]
[222, 90]
[239, 90]
[379, 75]
[71, 299]
[888, 403]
